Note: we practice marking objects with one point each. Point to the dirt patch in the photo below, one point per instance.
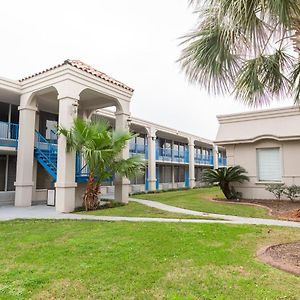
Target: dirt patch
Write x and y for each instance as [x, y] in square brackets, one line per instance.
[285, 257]
[282, 209]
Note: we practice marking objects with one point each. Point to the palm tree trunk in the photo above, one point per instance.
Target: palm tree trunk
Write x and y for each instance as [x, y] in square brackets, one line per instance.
[90, 197]
[226, 189]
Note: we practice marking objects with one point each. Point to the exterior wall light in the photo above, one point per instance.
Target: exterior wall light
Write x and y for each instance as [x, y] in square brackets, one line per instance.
[129, 121]
[75, 107]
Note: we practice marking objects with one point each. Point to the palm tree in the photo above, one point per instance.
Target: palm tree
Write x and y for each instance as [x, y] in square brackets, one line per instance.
[100, 147]
[225, 176]
[245, 47]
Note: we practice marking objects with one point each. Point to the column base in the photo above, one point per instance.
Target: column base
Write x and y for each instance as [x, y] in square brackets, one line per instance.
[152, 185]
[23, 194]
[122, 190]
[192, 183]
[65, 197]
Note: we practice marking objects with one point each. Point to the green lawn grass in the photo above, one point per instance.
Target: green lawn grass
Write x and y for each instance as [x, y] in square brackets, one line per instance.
[197, 199]
[122, 260]
[133, 209]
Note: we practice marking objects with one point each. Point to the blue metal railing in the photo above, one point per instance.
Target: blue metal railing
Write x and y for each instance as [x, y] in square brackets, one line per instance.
[46, 154]
[204, 159]
[172, 155]
[82, 170]
[140, 149]
[222, 161]
[53, 137]
[9, 134]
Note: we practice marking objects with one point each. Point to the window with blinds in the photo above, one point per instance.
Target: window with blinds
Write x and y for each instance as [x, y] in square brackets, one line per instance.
[269, 164]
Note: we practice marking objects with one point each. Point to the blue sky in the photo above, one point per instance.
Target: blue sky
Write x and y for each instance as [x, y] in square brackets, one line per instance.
[132, 40]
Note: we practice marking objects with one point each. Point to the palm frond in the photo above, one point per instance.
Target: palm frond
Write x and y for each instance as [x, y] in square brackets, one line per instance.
[232, 48]
[129, 167]
[295, 79]
[208, 55]
[262, 79]
[230, 174]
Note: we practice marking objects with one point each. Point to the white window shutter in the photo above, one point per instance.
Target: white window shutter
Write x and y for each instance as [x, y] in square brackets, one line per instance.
[269, 165]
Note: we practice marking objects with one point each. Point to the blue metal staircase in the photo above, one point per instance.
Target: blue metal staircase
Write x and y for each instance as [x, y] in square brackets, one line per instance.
[46, 154]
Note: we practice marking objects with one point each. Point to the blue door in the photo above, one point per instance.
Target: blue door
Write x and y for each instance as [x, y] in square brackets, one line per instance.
[157, 178]
[146, 180]
[186, 176]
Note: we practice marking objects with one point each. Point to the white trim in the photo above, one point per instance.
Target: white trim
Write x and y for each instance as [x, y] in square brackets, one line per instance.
[261, 114]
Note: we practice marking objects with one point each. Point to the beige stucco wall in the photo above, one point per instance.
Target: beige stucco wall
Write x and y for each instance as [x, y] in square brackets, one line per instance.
[245, 155]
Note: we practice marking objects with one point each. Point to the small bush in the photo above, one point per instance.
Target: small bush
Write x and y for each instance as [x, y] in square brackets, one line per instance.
[276, 189]
[235, 195]
[292, 192]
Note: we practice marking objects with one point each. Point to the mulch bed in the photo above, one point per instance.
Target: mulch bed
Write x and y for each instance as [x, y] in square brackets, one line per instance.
[283, 209]
[283, 256]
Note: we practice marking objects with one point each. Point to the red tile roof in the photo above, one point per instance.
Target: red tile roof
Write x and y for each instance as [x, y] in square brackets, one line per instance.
[84, 67]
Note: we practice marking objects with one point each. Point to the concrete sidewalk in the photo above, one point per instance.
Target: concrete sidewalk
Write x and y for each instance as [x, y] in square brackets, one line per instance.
[46, 212]
[232, 219]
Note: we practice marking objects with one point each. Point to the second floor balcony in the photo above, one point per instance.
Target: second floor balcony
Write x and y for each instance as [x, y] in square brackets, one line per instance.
[9, 134]
[138, 149]
[172, 155]
[201, 159]
[222, 161]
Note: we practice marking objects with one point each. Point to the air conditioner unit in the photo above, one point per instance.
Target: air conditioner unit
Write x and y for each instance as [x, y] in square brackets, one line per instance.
[51, 198]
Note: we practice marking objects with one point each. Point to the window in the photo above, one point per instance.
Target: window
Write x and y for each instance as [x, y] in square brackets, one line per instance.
[179, 175]
[165, 174]
[198, 174]
[51, 129]
[139, 179]
[268, 164]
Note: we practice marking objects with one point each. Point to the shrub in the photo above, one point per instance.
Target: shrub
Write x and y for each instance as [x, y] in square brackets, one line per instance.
[292, 192]
[224, 177]
[276, 189]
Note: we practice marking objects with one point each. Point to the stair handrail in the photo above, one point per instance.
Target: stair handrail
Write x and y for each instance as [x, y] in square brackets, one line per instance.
[53, 133]
[52, 148]
[79, 167]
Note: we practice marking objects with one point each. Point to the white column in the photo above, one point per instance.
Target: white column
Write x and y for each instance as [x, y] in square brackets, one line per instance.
[65, 184]
[216, 156]
[151, 159]
[191, 163]
[122, 183]
[24, 178]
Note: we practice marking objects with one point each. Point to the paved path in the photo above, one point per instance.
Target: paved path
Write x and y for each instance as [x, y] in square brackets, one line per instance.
[231, 219]
[46, 212]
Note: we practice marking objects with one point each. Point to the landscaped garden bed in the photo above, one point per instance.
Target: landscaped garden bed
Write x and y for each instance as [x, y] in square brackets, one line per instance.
[283, 209]
[283, 256]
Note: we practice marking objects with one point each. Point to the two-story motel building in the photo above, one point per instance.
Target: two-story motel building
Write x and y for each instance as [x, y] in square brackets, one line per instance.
[34, 160]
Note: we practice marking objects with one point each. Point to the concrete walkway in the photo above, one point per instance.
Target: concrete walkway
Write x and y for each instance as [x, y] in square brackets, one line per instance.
[46, 212]
[231, 219]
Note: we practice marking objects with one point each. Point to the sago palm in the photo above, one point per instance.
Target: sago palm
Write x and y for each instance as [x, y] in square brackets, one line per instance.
[225, 176]
[100, 149]
[245, 47]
